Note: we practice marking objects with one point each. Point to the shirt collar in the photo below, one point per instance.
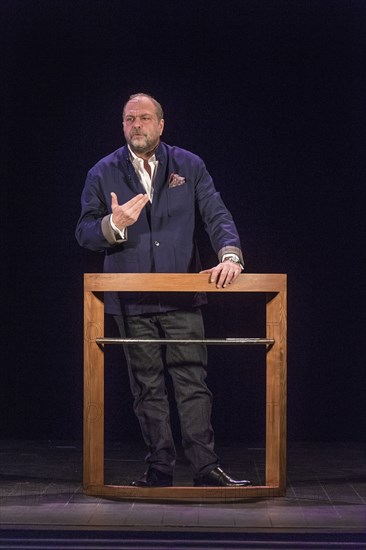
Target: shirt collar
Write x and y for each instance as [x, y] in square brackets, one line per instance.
[135, 158]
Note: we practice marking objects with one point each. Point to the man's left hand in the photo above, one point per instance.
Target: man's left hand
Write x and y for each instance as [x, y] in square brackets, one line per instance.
[224, 273]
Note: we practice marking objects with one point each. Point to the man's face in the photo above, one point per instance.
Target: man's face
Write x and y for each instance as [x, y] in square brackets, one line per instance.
[141, 126]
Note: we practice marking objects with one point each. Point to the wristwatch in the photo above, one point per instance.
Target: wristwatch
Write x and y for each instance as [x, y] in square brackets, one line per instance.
[233, 259]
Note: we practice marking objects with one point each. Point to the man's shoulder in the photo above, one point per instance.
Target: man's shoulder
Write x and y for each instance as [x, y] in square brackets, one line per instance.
[110, 161]
[181, 155]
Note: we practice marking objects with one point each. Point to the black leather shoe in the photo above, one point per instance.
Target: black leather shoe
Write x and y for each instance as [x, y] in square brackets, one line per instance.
[153, 478]
[218, 478]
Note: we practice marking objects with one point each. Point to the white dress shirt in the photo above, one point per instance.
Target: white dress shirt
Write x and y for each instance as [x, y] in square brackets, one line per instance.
[144, 176]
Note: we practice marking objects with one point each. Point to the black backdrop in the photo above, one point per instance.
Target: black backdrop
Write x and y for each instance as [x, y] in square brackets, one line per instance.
[271, 93]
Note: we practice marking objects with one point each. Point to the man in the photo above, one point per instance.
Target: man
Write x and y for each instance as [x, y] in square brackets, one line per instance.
[139, 206]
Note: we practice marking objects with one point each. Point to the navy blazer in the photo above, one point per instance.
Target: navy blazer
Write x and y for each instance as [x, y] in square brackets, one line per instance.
[162, 239]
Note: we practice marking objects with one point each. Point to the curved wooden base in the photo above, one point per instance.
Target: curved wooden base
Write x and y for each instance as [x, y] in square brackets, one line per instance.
[183, 494]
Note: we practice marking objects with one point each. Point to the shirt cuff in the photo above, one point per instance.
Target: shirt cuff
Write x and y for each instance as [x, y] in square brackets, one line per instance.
[120, 232]
[113, 237]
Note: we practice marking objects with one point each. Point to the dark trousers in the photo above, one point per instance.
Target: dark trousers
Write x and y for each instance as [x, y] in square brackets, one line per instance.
[186, 364]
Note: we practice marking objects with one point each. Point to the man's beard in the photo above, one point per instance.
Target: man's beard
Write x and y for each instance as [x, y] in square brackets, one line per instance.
[142, 146]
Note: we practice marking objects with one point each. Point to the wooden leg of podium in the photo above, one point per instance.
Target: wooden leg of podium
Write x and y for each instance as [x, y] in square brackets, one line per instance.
[276, 392]
[93, 391]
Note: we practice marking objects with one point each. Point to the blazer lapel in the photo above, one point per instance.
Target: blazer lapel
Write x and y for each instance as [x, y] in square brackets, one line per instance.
[131, 178]
[161, 174]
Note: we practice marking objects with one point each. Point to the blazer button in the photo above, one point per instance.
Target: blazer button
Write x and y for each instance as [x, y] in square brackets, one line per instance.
[156, 243]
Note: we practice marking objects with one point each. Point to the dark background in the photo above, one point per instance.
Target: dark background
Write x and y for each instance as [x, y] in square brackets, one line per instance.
[271, 93]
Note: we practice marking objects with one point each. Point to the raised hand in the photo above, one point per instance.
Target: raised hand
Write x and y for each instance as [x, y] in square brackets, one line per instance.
[128, 213]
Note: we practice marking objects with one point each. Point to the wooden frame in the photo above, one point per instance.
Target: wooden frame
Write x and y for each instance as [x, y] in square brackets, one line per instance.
[93, 479]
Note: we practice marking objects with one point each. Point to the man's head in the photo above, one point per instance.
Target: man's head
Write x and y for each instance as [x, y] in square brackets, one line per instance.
[143, 124]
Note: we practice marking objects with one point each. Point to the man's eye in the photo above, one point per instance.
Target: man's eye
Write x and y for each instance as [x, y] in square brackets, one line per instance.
[128, 119]
[145, 118]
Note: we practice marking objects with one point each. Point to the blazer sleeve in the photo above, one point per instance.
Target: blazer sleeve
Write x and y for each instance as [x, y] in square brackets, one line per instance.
[93, 230]
[217, 219]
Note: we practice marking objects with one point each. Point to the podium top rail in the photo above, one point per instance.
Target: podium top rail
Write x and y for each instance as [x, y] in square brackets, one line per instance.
[180, 282]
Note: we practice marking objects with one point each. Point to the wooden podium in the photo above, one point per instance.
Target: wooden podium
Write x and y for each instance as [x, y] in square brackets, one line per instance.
[274, 286]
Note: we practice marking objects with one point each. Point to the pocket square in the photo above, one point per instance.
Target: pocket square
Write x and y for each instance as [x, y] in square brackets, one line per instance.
[175, 180]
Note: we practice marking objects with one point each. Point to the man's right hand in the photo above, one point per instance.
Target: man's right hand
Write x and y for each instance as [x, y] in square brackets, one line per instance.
[128, 213]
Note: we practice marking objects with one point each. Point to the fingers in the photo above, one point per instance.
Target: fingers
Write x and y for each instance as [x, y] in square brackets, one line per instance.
[224, 274]
[127, 214]
[137, 203]
[114, 201]
[131, 210]
[136, 200]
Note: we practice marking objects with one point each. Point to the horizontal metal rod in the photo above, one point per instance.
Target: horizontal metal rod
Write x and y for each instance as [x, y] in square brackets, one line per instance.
[207, 341]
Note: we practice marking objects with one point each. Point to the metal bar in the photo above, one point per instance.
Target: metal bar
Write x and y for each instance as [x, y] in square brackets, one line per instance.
[208, 341]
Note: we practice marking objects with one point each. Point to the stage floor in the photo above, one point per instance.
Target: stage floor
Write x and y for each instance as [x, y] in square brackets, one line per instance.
[41, 488]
